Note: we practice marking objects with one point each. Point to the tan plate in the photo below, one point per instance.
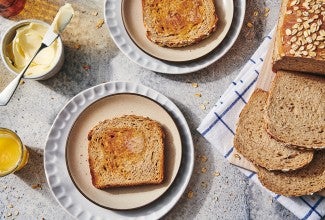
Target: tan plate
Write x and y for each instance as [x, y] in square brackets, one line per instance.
[77, 155]
[133, 22]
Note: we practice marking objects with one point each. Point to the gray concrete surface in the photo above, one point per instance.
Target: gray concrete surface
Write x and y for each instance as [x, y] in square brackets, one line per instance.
[34, 106]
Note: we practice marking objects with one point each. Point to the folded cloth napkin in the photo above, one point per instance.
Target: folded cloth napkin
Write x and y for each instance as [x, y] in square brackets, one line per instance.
[219, 126]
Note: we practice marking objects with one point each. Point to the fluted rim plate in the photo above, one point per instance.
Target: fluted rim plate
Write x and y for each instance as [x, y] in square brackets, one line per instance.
[61, 160]
[114, 21]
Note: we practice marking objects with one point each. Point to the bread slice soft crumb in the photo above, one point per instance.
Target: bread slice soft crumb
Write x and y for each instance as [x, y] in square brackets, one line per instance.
[296, 110]
[126, 151]
[256, 145]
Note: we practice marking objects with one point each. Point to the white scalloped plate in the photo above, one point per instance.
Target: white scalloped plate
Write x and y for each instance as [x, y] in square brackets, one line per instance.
[107, 108]
[61, 183]
[133, 22]
[119, 34]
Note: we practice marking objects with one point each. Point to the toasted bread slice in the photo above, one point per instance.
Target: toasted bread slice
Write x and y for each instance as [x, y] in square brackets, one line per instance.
[126, 151]
[296, 110]
[256, 145]
[299, 40]
[305, 181]
[178, 23]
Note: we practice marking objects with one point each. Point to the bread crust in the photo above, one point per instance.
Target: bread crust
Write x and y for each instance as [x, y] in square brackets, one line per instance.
[126, 151]
[178, 23]
[299, 41]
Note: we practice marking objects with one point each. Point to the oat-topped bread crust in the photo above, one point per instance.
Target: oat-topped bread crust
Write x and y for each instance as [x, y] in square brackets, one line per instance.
[126, 151]
[256, 145]
[296, 109]
[299, 41]
[178, 23]
[304, 181]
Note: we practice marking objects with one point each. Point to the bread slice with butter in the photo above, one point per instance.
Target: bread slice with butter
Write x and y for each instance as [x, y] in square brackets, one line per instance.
[256, 145]
[126, 151]
[178, 23]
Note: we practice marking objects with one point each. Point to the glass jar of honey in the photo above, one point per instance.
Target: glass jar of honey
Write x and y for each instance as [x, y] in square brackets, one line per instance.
[13, 154]
[10, 8]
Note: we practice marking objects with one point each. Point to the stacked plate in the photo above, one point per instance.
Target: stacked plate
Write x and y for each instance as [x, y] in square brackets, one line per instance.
[66, 156]
[124, 20]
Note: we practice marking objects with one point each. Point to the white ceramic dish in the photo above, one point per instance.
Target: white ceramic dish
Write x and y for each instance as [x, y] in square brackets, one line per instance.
[10, 34]
[56, 152]
[133, 22]
[118, 32]
[77, 150]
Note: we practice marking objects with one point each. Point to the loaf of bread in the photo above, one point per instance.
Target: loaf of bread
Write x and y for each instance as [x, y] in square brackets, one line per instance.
[256, 145]
[296, 109]
[126, 151]
[299, 42]
[304, 181]
[178, 23]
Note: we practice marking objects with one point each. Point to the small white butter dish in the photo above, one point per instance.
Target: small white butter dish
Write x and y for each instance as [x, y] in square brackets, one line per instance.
[57, 59]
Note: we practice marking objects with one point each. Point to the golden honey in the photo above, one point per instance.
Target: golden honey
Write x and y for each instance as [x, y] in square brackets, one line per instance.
[13, 154]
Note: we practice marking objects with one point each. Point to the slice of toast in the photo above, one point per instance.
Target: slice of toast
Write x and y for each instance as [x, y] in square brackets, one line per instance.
[304, 181]
[256, 145]
[296, 109]
[126, 151]
[178, 23]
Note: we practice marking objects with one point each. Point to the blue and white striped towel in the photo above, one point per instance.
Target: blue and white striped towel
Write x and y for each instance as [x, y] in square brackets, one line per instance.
[218, 127]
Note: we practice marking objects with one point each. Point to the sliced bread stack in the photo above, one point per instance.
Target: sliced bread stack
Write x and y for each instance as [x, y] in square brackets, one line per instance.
[282, 131]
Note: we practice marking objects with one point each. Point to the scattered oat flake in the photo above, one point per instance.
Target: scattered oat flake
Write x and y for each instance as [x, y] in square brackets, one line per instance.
[255, 13]
[9, 214]
[204, 159]
[100, 23]
[266, 12]
[204, 170]
[249, 24]
[198, 94]
[86, 67]
[35, 186]
[190, 194]
[95, 13]
[237, 156]
[22, 82]
[216, 173]
[16, 213]
[195, 85]
[10, 206]
[202, 106]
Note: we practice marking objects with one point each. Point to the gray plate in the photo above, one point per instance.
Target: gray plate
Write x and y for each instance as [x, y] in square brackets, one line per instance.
[114, 21]
[57, 172]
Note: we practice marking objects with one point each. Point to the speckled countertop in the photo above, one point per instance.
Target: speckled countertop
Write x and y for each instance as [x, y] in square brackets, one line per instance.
[93, 58]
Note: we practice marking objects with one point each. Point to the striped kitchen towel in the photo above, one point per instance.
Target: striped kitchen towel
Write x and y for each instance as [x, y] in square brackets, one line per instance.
[218, 127]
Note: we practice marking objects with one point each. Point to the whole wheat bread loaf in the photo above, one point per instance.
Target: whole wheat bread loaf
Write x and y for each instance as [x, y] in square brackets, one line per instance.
[126, 151]
[178, 23]
[299, 41]
[296, 110]
[256, 145]
[304, 181]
